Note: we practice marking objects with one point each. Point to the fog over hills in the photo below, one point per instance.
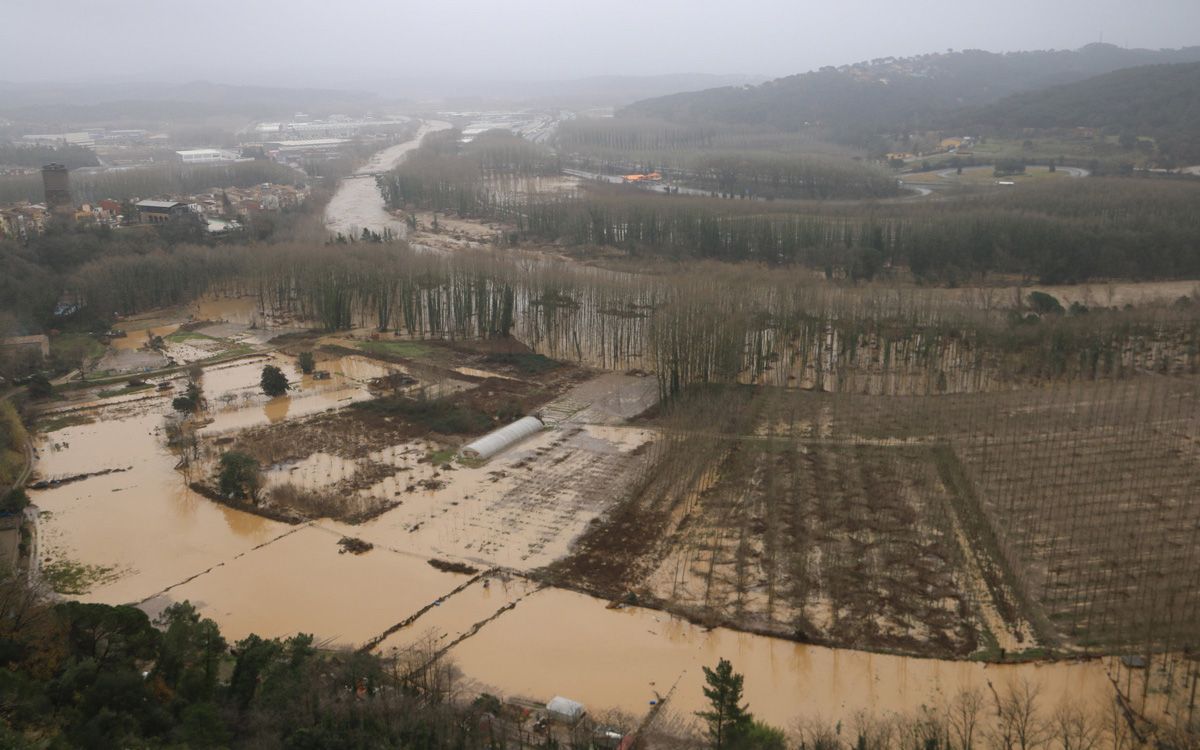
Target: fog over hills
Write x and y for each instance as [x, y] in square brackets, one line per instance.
[898, 94]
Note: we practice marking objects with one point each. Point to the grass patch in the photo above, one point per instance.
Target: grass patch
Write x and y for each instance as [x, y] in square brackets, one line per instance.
[67, 420]
[76, 579]
[237, 350]
[525, 363]
[444, 456]
[12, 445]
[123, 391]
[406, 349]
[181, 336]
[438, 415]
[71, 347]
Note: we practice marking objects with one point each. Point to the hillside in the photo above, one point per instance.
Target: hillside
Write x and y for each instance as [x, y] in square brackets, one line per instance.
[853, 103]
[1161, 102]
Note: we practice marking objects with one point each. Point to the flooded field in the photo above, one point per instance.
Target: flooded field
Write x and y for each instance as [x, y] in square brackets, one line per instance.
[138, 530]
[302, 583]
[452, 553]
[561, 643]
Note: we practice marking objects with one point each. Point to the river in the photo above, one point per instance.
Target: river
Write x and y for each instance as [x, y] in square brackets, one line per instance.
[359, 205]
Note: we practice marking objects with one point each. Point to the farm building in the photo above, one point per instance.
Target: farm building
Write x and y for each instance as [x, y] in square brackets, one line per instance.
[564, 709]
[502, 439]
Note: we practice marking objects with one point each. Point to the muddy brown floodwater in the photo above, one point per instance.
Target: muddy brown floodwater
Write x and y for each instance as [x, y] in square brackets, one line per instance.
[147, 539]
[559, 642]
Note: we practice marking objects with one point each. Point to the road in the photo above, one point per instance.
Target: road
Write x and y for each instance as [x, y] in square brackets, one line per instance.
[918, 191]
[1072, 171]
[359, 205]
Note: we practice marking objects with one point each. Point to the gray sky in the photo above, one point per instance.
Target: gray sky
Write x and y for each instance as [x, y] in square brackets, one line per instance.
[336, 42]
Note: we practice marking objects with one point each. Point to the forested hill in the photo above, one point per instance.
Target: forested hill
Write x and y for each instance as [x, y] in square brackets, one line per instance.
[888, 95]
[1152, 101]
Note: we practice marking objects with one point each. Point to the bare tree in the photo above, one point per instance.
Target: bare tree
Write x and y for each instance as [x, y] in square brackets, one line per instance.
[1019, 722]
[1075, 728]
[963, 716]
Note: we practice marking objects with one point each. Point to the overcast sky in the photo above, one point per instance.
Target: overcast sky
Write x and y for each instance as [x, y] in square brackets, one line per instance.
[335, 42]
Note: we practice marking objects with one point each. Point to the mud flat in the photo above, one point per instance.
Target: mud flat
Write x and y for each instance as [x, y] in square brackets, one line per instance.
[558, 642]
[521, 510]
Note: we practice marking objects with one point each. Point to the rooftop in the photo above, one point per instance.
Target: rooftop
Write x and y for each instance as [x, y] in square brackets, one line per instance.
[201, 152]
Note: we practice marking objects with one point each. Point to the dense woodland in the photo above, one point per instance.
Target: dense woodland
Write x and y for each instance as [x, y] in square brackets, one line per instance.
[712, 324]
[746, 161]
[93, 676]
[1096, 228]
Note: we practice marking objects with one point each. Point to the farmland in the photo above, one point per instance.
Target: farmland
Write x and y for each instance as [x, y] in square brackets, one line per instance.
[902, 523]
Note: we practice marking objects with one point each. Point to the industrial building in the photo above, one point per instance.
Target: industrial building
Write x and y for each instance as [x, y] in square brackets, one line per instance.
[206, 156]
[160, 212]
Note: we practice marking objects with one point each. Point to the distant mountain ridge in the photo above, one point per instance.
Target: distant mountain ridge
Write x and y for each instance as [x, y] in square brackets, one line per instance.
[857, 102]
[154, 100]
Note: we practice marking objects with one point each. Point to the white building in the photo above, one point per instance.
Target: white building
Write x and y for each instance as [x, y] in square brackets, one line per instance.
[206, 156]
[502, 439]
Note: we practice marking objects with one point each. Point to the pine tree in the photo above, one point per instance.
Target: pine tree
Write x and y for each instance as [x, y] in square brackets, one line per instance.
[728, 716]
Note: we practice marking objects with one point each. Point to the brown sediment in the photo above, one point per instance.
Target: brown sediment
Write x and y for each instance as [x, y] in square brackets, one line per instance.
[354, 545]
[283, 515]
[43, 484]
[453, 567]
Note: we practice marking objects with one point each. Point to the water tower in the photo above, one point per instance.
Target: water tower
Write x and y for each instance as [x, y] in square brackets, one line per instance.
[57, 182]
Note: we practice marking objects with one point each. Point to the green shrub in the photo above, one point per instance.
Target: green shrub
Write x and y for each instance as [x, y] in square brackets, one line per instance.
[1045, 304]
[274, 382]
[238, 475]
[307, 362]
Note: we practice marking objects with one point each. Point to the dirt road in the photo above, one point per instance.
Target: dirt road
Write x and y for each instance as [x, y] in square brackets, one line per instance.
[358, 204]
